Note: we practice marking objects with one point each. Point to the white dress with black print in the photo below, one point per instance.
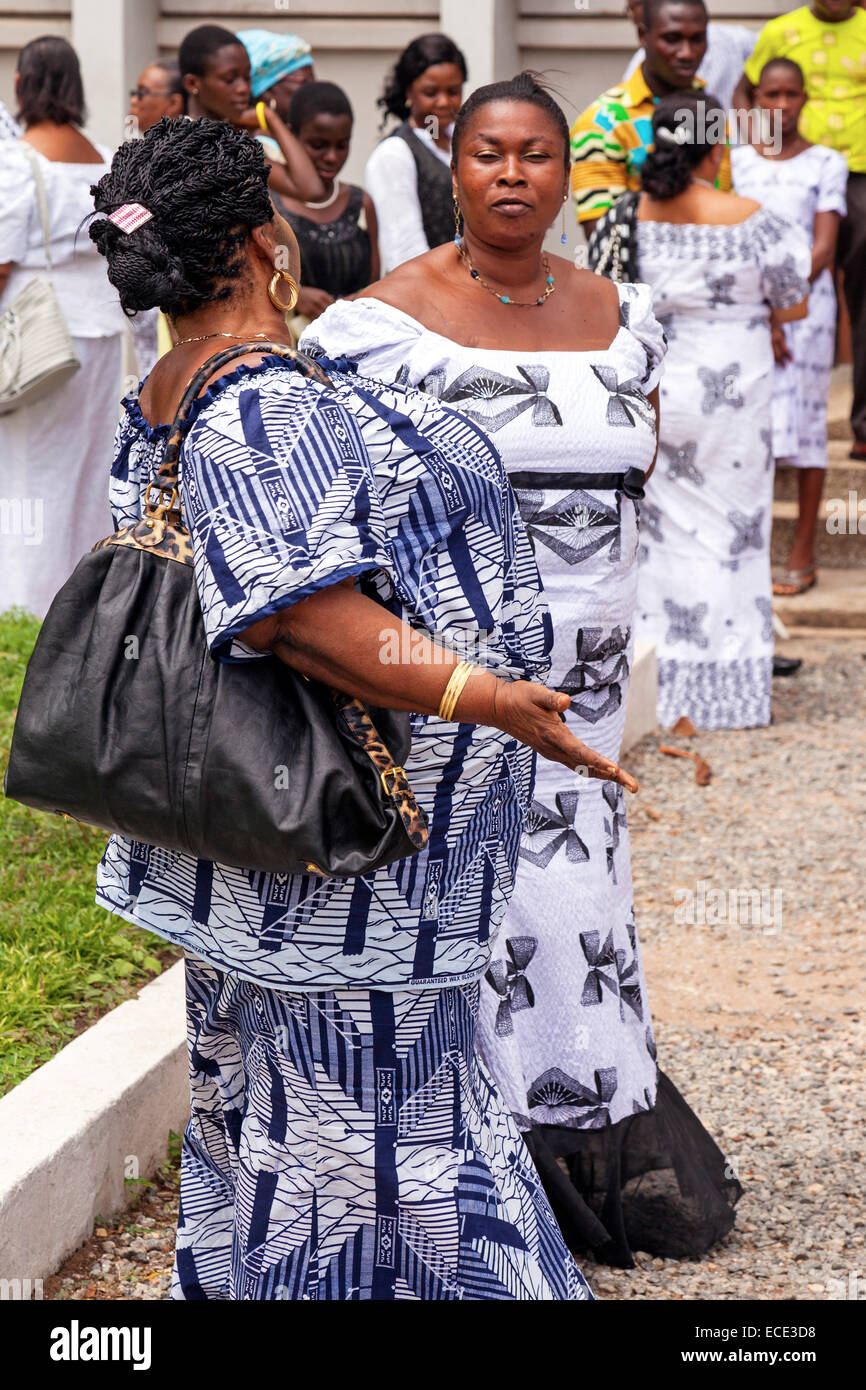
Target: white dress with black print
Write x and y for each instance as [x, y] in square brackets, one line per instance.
[704, 592]
[564, 1024]
[813, 181]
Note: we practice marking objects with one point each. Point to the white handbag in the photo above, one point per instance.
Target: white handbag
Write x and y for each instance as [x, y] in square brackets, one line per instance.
[36, 350]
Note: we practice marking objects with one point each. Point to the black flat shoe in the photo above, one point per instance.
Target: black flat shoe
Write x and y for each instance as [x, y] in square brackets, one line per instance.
[786, 665]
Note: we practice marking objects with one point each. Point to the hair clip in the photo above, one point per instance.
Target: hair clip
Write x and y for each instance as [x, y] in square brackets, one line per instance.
[130, 216]
[673, 137]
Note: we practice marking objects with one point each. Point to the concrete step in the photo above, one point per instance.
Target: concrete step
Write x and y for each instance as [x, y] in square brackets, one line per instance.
[640, 710]
[840, 543]
[844, 475]
[839, 403]
[837, 601]
[840, 428]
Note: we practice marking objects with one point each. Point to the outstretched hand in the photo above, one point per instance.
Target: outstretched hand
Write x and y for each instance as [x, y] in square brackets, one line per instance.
[532, 714]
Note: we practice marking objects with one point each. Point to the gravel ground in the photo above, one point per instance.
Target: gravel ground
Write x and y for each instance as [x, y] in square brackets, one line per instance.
[760, 1026]
[130, 1256]
[758, 1022]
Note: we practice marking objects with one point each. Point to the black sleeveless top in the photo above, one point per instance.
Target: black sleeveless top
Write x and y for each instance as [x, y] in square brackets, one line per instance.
[335, 256]
[434, 188]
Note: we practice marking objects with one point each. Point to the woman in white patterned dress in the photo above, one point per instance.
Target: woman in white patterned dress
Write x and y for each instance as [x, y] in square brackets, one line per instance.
[717, 263]
[565, 387]
[806, 183]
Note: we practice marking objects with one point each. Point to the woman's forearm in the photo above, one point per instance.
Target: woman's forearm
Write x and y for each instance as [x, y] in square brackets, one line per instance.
[301, 179]
[654, 401]
[824, 238]
[346, 640]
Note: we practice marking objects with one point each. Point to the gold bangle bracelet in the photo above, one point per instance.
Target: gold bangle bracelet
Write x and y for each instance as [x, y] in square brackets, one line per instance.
[260, 116]
[454, 689]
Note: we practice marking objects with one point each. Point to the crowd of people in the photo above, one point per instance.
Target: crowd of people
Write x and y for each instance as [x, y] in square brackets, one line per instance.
[440, 1080]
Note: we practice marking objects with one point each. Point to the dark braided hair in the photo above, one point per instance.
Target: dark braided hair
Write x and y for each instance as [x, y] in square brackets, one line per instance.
[524, 87]
[668, 168]
[206, 184]
[422, 53]
[318, 99]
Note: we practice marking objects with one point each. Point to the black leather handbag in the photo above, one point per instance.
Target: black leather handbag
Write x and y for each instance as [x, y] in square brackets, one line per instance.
[127, 722]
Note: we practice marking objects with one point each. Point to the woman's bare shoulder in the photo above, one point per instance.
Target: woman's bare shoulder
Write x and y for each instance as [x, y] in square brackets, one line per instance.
[411, 287]
[730, 208]
[596, 293]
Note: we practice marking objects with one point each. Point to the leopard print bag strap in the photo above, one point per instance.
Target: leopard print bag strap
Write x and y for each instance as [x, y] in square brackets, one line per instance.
[394, 781]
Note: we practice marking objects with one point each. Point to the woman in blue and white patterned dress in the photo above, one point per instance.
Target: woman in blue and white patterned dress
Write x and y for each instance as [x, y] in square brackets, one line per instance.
[717, 264]
[807, 184]
[345, 1142]
[565, 385]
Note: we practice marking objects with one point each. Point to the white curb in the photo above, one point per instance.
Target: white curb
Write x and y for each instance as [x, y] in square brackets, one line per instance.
[99, 1111]
[640, 710]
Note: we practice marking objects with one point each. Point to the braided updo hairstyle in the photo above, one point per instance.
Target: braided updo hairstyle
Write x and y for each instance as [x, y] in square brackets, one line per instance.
[206, 184]
[681, 124]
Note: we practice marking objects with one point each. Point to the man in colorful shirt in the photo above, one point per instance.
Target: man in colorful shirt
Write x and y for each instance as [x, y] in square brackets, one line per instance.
[610, 140]
[828, 41]
[728, 48]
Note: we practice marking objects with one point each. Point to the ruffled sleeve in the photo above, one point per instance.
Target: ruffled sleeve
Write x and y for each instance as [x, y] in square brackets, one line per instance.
[637, 316]
[17, 203]
[367, 332]
[833, 183]
[784, 255]
[281, 501]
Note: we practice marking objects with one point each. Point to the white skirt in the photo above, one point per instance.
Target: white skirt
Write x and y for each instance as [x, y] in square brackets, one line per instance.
[56, 457]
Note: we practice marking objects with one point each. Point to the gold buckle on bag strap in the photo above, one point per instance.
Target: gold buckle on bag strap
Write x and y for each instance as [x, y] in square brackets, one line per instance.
[391, 772]
[159, 510]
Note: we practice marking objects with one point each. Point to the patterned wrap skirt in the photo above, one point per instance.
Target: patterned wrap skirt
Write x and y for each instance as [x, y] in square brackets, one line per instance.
[348, 1144]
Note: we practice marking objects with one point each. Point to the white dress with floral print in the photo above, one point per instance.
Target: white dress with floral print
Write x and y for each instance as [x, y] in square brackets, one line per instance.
[564, 1025]
[704, 592]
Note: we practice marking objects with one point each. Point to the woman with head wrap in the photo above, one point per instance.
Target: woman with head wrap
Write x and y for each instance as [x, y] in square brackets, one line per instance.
[279, 65]
[217, 78]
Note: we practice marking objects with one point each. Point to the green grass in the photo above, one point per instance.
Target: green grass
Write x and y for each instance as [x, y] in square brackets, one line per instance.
[63, 961]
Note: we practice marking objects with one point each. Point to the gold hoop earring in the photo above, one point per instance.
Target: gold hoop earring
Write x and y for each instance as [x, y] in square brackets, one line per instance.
[293, 291]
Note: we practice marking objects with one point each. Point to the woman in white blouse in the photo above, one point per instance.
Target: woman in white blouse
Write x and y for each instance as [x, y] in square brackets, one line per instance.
[409, 173]
[54, 451]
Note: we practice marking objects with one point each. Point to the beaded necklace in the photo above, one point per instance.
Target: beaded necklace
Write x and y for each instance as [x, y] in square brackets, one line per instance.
[549, 284]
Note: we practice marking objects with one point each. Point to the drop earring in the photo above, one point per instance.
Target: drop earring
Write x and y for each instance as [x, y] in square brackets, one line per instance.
[564, 239]
[457, 219]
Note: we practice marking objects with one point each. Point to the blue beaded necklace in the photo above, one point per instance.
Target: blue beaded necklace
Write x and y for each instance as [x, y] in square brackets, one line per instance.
[549, 284]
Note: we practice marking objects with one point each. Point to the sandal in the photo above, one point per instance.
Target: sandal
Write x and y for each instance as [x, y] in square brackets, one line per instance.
[858, 451]
[793, 582]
